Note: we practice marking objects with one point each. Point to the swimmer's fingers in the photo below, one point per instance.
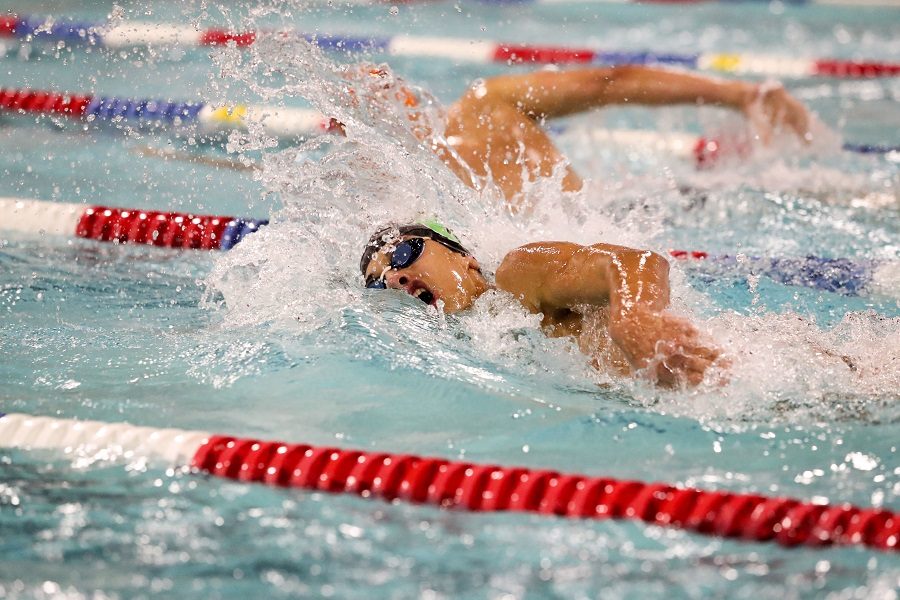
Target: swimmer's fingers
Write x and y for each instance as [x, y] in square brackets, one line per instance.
[773, 108]
[681, 369]
[701, 350]
[688, 340]
[677, 327]
[684, 363]
[692, 363]
[785, 110]
[668, 346]
[710, 365]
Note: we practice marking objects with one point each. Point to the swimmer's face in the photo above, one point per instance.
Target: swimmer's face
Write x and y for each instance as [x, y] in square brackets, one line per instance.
[437, 274]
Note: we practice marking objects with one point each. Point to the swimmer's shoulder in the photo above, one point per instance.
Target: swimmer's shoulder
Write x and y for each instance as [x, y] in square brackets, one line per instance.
[524, 270]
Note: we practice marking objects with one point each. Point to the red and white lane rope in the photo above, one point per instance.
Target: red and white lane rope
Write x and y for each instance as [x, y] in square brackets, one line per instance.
[851, 277]
[517, 3]
[463, 485]
[123, 225]
[134, 34]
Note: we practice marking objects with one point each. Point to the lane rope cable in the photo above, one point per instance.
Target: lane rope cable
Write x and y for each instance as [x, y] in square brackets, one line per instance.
[466, 486]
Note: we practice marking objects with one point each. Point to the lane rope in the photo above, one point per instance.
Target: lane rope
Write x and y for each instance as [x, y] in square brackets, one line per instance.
[466, 486]
[680, 3]
[850, 3]
[516, 3]
[122, 225]
[850, 277]
[277, 121]
[137, 33]
[292, 122]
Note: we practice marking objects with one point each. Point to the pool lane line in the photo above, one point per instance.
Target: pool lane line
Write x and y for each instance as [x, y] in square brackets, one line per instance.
[850, 277]
[289, 122]
[121, 225]
[280, 122]
[680, 3]
[139, 33]
[464, 486]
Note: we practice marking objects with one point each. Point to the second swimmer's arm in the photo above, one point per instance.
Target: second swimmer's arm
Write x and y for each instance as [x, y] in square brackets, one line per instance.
[549, 94]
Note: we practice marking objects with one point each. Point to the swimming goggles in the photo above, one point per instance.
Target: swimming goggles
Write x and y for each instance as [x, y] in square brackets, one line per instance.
[405, 253]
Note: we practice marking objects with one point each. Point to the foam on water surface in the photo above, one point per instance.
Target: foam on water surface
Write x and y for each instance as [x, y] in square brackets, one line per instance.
[301, 271]
[277, 338]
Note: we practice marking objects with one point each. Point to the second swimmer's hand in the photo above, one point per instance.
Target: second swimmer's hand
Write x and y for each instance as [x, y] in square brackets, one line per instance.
[770, 109]
[667, 345]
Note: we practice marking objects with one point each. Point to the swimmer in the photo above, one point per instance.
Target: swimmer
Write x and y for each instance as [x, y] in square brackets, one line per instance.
[613, 301]
[610, 299]
[493, 133]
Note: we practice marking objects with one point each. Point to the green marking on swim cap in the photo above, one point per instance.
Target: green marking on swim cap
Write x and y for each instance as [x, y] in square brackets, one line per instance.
[440, 229]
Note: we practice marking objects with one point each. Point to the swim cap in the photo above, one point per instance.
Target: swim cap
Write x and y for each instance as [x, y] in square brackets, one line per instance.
[428, 228]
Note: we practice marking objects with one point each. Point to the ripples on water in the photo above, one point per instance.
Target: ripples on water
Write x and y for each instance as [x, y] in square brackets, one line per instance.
[380, 173]
[277, 339]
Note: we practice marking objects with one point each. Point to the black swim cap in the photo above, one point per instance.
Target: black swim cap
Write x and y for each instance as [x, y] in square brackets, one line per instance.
[392, 232]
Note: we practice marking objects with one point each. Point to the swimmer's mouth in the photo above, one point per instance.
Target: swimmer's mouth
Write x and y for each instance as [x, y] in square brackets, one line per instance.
[421, 292]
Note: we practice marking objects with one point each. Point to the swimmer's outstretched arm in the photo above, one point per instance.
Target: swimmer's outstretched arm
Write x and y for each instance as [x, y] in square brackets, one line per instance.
[555, 278]
[549, 94]
[495, 129]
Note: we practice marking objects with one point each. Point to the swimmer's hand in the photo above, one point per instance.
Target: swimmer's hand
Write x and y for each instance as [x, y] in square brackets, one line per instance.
[770, 109]
[667, 346]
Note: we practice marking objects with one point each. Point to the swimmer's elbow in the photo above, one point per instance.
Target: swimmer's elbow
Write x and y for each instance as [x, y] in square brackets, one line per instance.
[639, 272]
[654, 267]
[632, 259]
[656, 261]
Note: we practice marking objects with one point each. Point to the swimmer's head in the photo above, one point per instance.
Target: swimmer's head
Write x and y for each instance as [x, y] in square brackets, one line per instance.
[389, 82]
[426, 261]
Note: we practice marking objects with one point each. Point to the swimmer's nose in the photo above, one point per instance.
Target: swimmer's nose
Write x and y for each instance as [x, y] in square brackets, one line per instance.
[396, 280]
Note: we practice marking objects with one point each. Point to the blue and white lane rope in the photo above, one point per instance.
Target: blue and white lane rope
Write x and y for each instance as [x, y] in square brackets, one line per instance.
[851, 277]
[283, 122]
[136, 34]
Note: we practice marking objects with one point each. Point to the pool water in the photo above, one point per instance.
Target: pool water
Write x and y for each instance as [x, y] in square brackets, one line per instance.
[275, 339]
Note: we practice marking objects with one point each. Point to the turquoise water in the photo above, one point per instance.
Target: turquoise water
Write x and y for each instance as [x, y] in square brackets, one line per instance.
[276, 340]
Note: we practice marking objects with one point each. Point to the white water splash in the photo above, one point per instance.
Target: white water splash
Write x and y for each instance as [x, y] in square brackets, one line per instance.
[300, 273]
[785, 366]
